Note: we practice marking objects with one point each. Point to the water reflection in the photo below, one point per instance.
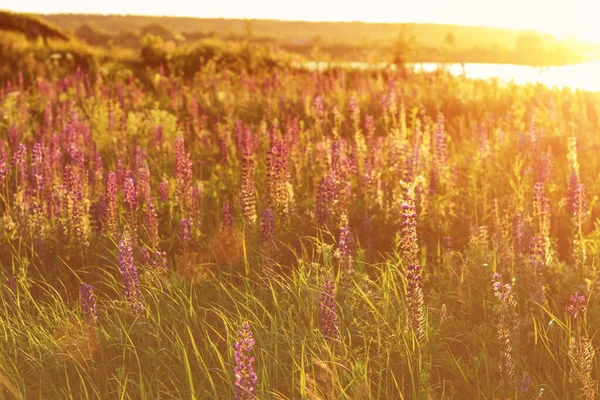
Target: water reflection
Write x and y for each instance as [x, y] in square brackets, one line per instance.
[585, 76]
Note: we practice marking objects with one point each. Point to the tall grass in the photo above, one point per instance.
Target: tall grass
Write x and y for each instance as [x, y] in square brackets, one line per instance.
[447, 216]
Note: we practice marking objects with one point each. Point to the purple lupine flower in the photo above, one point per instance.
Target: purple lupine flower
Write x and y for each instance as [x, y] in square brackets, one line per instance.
[329, 317]
[227, 219]
[160, 260]
[185, 234]
[129, 273]
[163, 190]
[110, 196]
[88, 302]
[244, 386]
[144, 184]
[441, 156]
[131, 194]
[409, 247]
[345, 241]
[248, 195]
[324, 197]
[183, 173]
[19, 160]
[195, 199]
[36, 163]
[579, 205]
[267, 227]
[277, 177]
[573, 182]
[79, 216]
[337, 156]
[4, 165]
[541, 208]
[145, 256]
[70, 178]
[500, 291]
[576, 305]
[579, 216]
[414, 296]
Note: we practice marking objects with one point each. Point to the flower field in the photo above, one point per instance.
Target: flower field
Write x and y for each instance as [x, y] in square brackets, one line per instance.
[287, 234]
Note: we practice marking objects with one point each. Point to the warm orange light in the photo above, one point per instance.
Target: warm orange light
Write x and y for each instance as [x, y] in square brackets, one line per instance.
[558, 17]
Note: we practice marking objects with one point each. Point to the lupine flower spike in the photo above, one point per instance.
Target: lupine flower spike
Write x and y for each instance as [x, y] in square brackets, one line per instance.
[244, 386]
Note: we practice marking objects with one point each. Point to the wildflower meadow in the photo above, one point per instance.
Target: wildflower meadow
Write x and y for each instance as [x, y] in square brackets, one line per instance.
[280, 233]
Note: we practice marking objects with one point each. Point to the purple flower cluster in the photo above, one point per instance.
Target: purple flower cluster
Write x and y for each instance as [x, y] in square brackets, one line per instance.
[500, 291]
[129, 273]
[88, 302]
[415, 312]
[110, 198]
[144, 185]
[227, 218]
[579, 205]
[248, 195]
[325, 194]
[4, 164]
[329, 318]
[160, 260]
[185, 234]
[409, 247]
[267, 227]
[576, 305]
[131, 194]
[19, 160]
[541, 208]
[183, 173]
[277, 177]
[244, 386]
[441, 156]
[345, 242]
[163, 190]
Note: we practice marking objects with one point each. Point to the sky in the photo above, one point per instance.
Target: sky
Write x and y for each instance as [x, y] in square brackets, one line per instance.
[559, 17]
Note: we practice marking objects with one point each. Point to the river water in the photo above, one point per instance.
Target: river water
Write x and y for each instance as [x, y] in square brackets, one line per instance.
[585, 76]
